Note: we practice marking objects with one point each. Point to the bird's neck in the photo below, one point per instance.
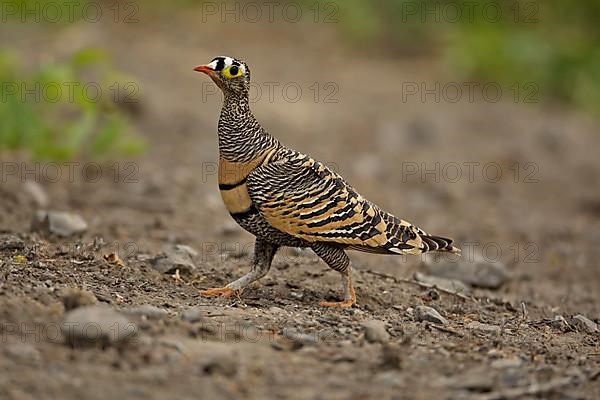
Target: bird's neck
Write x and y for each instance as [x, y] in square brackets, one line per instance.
[241, 137]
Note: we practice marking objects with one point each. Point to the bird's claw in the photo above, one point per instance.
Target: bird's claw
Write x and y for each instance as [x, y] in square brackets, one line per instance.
[221, 292]
[338, 304]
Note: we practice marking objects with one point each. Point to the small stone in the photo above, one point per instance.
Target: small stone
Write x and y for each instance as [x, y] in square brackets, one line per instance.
[474, 270]
[478, 326]
[375, 331]
[73, 298]
[450, 285]
[297, 339]
[11, 242]
[60, 223]
[148, 311]
[276, 310]
[584, 324]
[96, 326]
[559, 322]
[22, 352]
[505, 363]
[173, 259]
[424, 313]
[193, 314]
[37, 193]
[186, 249]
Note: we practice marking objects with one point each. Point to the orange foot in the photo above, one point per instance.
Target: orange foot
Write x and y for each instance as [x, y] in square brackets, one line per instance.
[338, 304]
[223, 292]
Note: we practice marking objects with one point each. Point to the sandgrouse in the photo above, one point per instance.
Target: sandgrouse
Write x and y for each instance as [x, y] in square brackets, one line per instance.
[286, 198]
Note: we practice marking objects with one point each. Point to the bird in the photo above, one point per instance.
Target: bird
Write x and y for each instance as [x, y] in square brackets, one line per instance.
[288, 199]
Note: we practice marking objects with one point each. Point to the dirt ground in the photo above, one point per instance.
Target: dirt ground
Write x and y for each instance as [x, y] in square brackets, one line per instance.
[540, 219]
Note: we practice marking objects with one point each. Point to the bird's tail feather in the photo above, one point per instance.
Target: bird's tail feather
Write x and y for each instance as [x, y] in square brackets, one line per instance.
[438, 243]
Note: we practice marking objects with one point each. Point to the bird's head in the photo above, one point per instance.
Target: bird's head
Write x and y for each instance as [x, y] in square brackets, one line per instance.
[231, 75]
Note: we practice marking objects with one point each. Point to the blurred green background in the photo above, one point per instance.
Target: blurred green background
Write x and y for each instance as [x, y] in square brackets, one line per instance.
[553, 44]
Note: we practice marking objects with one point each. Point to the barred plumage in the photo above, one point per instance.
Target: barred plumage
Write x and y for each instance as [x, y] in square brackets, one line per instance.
[286, 198]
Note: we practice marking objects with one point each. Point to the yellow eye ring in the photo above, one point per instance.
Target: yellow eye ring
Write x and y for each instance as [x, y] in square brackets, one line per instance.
[232, 72]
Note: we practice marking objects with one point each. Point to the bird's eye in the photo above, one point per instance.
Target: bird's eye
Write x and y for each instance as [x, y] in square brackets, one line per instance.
[232, 72]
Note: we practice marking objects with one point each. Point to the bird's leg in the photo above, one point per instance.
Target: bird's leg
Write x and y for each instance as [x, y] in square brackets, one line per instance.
[349, 295]
[337, 259]
[263, 256]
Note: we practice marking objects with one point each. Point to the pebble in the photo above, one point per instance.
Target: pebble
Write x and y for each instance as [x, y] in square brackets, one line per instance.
[22, 352]
[11, 242]
[37, 193]
[375, 331]
[60, 223]
[193, 314]
[277, 310]
[186, 249]
[73, 298]
[96, 326]
[424, 313]
[173, 259]
[474, 270]
[298, 339]
[505, 363]
[584, 324]
[478, 326]
[148, 311]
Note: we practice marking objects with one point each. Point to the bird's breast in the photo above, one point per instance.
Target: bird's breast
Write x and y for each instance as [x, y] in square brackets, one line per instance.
[232, 182]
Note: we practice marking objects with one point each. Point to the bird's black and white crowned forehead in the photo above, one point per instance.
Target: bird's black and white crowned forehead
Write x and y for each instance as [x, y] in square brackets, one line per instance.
[222, 62]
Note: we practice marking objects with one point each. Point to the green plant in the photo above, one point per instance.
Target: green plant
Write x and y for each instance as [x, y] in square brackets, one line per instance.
[65, 110]
[551, 44]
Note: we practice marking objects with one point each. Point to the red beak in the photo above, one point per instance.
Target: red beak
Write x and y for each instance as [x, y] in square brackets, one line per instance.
[204, 68]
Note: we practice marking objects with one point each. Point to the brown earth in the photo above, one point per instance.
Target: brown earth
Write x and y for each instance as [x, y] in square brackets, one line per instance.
[276, 342]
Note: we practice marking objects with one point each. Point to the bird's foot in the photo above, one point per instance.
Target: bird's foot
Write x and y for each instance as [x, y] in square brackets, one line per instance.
[222, 292]
[338, 304]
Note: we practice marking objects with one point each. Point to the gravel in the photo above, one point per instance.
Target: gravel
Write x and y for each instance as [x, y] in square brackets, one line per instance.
[424, 313]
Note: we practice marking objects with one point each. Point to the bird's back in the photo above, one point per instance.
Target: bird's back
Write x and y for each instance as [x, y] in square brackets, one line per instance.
[304, 198]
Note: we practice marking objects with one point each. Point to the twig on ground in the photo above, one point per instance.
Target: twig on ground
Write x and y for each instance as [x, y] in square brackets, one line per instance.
[524, 312]
[447, 330]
